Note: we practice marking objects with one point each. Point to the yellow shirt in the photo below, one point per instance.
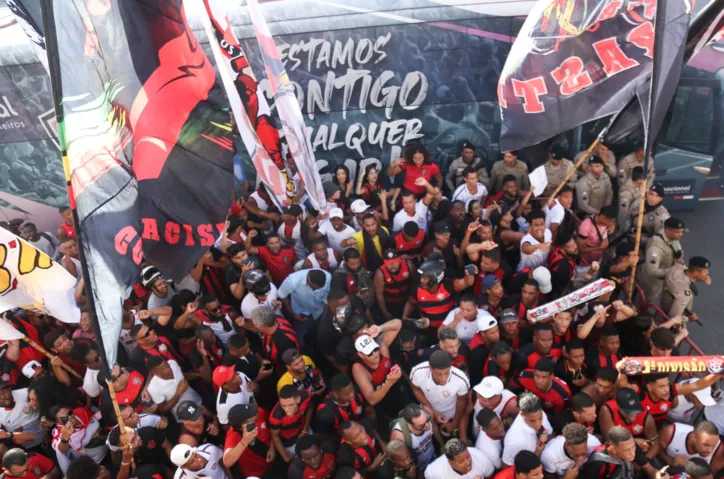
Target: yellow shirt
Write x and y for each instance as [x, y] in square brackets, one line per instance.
[307, 383]
[360, 245]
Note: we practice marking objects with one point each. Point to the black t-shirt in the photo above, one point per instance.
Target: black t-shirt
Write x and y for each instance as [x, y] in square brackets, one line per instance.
[563, 372]
[151, 452]
[249, 364]
[327, 335]
[233, 275]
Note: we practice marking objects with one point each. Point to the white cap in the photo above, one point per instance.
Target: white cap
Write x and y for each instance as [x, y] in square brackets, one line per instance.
[365, 345]
[359, 206]
[181, 453]
[543, 277]
[486, 322]
[30, 367]
[490, 386]
[336, 213]
[703, 395]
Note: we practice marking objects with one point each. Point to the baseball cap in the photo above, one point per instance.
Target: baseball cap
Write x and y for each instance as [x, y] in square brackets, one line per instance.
[289, 356]
[30, 367]
[674, 223]
[628, 402]
[181, 453]
[242, 412]
[703, 395]
[390, 255]
[595, 160]
[223, 374]
[543, 276]
[292, 210]
[467, 144]
[508, 316]
[694, 262]
[188, 411]
[490, 386]
[442, 227]
[336, 213]
[489, 281]
[658, 188]
[486, 322]
[359, 206]
[366, 345]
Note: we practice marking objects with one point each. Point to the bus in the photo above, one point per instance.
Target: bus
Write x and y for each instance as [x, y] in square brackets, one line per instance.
[370, 76]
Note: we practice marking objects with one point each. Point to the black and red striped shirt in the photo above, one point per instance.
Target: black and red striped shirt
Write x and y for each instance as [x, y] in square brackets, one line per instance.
[289, 427]
[554, 400]
[330, 415]
[359, 458]
[283, 338]
[436, 304]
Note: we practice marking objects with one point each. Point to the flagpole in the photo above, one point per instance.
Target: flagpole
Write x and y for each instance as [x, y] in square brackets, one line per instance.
[45, 352]
[658, 39]
[51, 47]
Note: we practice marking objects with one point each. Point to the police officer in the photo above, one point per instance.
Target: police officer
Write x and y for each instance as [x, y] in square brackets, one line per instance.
[509, 165]
[662, 252]
[632, 160]
[594, 190]
[601, 151]
[679, 287]
[467, 159]
[557, 167]
[629, 200]
[655, 214]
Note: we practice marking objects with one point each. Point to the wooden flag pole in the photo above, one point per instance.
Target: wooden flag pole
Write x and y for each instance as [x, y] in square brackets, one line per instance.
[125, 440]
[578, 164]
[639, 226]
[50, 356]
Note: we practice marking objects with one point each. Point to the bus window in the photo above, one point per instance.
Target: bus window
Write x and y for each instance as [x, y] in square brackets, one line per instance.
[691, 119]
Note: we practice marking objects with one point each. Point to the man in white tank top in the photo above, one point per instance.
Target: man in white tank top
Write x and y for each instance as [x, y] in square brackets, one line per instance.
[536, 244]
[491, 393]
[322, 257]
[682, 442]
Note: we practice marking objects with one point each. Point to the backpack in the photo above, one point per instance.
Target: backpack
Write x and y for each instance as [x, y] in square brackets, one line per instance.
[404, 428]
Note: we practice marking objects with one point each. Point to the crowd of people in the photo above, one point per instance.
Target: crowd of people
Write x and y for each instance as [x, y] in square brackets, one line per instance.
[386, 335]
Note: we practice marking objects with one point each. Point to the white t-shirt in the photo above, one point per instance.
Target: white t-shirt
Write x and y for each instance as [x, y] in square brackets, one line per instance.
[555, 214]
[554, 458]
[44, 245]
[213, 470]
[419, 217]
[506, 397]
[250, 302]
[463, 194]
[715, 414]
[335, 237]
[440, 468]
[491, 448]
[443, 398]
[162, 390]
[155, 301]
[540, 256]
[90, 382]
[521, 437]
[225, 400]
[126, 340]
[466, 329]
[22, 415]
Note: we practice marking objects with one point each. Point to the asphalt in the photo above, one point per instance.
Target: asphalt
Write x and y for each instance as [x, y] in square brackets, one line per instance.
[704, 238]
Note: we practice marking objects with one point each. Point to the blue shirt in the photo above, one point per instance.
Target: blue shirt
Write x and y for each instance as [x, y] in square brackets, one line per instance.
[305, 300]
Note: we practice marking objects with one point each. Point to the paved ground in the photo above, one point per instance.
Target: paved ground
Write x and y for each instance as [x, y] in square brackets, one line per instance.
[706, 238]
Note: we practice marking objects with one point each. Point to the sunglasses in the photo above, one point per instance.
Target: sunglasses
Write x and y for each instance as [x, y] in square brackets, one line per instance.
[373, 352]
[115, 378]
[148, 333]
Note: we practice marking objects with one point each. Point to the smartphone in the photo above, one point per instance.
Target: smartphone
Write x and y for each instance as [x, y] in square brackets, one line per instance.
[394, 368]
[470, 269]
[250, 427]
[267, 366]
[64, 418]
[540, 432]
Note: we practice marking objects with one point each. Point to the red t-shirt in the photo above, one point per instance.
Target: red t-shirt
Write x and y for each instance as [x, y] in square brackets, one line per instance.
[281, 265]
[38, 466]
[252, 461]
[413, 172]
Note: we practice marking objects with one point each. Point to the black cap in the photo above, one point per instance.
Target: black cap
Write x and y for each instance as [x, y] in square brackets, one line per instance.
[595, 160]
[658, 188]
[390, 254]
[674, 223]
[442, 227]
[289, 356]
[558, 152]
[628, 402]
[242, 412]
[545, 365]
[699, 262]
[189, 411]
[292, 210]
[467, 144]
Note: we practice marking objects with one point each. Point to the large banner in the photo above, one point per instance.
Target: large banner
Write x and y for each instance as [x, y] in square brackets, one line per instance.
[145, 139]
[574, 62]
[16, 123]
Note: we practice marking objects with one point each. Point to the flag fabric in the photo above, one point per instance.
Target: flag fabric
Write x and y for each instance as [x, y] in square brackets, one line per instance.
[8, 332]
[29, 279]
[287, 106]
[145, 139]
[248, 103]
[27, 13]
[573, 62]
[587, 293]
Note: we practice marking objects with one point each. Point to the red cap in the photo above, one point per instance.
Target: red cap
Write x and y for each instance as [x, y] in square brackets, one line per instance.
[223, 374]
[235, 209]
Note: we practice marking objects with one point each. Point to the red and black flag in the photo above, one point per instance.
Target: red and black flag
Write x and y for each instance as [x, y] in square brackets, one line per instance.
[145, 140]
[578, 60]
